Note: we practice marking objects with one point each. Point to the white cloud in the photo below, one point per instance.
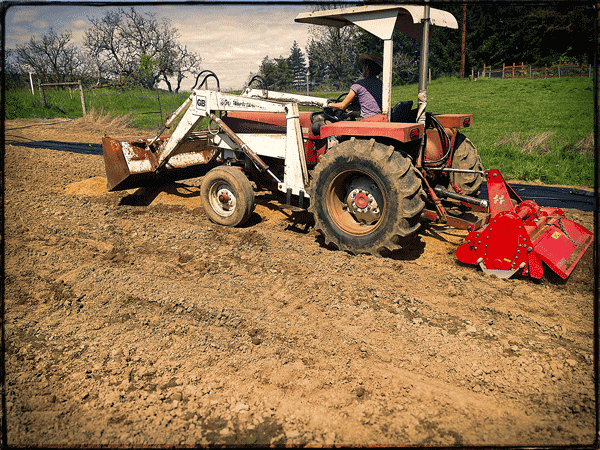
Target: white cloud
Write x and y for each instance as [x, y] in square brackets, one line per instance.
[80, 23]
[24, 15]
[18, 36]
[231, 39]
[40, 24]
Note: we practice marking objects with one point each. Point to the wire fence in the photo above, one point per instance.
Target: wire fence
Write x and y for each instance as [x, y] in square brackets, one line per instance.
[146, 108]
[528, 71]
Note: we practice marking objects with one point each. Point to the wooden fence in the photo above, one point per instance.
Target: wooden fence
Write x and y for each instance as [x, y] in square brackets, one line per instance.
[41, 87]
[528, 71]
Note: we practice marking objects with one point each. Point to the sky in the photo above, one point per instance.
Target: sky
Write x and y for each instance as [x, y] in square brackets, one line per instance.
[231, 39]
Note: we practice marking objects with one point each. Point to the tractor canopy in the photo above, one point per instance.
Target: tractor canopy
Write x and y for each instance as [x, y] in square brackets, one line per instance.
[381, 21]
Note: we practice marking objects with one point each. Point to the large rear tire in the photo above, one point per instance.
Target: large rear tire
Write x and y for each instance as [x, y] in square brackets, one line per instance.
[227, 196]
[466, 157]
[366, 197]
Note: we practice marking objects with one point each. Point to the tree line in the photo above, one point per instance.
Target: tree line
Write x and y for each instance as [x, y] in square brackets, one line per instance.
[125, 48]
[122, 48]
[495, 33]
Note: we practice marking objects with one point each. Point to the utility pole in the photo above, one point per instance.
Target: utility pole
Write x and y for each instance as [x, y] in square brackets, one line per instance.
[463, 40]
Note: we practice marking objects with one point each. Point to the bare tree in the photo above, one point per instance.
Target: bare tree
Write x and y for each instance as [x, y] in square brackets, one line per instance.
[52, 57]
[332, 52]
[132, 47]
[179, 62]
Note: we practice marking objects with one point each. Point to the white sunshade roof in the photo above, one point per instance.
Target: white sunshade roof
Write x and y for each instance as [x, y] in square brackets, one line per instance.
[381, 20]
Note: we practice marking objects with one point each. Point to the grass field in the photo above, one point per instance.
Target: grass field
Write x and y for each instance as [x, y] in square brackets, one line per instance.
[531, 129]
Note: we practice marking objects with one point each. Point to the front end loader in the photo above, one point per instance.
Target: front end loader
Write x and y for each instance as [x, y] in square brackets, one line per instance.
[368, 184]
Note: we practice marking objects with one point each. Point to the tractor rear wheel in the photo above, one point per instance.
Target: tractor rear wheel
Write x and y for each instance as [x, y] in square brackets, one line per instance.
[227, 196]
[366, 197]
[466, 157]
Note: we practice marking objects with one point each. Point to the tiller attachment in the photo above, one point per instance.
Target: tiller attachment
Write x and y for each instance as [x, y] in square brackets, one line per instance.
[521, 234]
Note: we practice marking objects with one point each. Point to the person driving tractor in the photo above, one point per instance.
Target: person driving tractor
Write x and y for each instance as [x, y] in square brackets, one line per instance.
[368, 90]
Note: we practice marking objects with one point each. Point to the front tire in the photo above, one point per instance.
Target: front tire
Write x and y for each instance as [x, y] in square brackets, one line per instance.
[366, 197]
[227, 196]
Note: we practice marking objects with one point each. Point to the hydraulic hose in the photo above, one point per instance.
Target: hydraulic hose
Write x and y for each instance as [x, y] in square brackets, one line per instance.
[209, 73]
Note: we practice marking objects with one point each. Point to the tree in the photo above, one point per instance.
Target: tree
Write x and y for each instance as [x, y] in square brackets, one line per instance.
[297, 66]
[333, 53]
[317, 67]
[52, 57]
[137, 48]
[275, 73]
[522, 32]
[178, 62]
[335, 49]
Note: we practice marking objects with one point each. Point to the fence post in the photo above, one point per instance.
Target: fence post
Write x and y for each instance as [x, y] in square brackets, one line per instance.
[546, 71]
[82, 98]
[307, 83]
[43, 97]
[503, 66]
[529, 70]
[558, 70]
[31, 83]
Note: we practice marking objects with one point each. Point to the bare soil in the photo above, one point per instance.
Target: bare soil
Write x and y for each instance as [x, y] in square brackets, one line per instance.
[132, 319]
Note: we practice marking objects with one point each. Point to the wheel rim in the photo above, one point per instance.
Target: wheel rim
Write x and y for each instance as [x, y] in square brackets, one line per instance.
[355, 202]
[222, 199]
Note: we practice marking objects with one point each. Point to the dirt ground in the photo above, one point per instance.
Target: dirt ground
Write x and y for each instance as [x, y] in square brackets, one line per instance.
[132, 319]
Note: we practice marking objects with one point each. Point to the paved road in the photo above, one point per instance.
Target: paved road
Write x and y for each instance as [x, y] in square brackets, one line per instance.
[552, 196]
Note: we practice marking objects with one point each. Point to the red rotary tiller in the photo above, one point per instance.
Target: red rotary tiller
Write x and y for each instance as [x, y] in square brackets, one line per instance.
[521, 235]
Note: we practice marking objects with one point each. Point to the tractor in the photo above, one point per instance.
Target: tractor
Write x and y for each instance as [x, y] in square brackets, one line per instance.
[368, 183]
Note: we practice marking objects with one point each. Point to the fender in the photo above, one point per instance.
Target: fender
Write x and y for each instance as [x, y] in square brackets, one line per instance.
[401, 132]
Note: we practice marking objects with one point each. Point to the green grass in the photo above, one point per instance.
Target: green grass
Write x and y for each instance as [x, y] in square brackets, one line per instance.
[511, 116]
[528, 128]
[147, 109]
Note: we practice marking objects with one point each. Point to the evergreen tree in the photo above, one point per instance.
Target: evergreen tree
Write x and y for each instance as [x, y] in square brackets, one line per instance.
[275, 73]
[297, 67]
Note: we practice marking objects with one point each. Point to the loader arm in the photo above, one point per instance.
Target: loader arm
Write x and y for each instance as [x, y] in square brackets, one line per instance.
[301, 100]
[204, 103]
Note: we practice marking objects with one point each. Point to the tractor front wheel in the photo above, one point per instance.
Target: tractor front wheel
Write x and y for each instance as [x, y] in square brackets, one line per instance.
[227, 196]
[366, 197]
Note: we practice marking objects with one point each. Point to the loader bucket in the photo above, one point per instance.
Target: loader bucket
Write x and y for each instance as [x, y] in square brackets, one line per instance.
[523, 236]
[130, 163]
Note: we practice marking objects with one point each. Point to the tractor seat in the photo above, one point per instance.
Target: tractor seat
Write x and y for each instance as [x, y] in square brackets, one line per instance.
[403, 112]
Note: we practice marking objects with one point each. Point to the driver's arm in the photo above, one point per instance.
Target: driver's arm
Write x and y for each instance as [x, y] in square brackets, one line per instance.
[344, 103]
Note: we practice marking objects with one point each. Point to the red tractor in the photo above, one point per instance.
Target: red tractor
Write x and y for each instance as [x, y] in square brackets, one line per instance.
[368, 183]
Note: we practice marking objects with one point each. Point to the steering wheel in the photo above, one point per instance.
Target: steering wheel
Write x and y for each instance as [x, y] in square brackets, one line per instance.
[331, 115]
[335, 115]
